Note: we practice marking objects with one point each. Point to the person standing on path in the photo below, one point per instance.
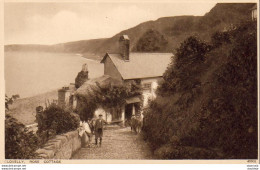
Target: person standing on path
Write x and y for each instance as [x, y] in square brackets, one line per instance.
[91, 124]
[99, 124]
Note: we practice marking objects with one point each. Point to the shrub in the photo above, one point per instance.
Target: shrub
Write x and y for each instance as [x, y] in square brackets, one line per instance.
[9, 101]
[231, 110]
[56, 120]
[86, 107]
[185, 69]
[81, 78]
[184, 152]
[19, 142]
[107, 97]
[208, 100]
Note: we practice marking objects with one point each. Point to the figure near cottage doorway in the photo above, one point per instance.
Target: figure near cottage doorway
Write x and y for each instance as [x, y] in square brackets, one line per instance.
[99, 126]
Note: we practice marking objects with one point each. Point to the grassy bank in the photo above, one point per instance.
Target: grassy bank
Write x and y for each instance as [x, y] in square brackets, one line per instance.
[24, 109]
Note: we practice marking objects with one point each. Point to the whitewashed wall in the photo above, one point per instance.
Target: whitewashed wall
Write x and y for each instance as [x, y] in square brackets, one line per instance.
[149, 94]
[106, 115]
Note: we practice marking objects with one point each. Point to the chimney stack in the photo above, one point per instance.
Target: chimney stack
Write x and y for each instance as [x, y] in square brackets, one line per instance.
[124, 47]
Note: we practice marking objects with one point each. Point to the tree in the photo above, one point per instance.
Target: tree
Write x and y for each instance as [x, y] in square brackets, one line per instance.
[81, 78]
[55, 120]
[231, 110]
[108, 97]
[19, 142]
[208, 99]
[10, 100]
[151, 41]
[184, 71]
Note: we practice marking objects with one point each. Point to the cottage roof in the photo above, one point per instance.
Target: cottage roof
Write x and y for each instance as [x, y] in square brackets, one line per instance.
[141, 65]
[103, 81]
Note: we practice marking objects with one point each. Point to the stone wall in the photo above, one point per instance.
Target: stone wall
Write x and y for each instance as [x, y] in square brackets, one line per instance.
[61, 147]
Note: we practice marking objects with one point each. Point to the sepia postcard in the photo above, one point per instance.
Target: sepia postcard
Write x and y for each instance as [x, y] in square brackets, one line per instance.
[168, 82]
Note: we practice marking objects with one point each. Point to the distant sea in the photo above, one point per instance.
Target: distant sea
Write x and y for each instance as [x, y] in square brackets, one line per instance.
[32, 73]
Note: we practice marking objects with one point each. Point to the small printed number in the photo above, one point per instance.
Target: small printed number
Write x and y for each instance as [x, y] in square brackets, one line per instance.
[251, 161]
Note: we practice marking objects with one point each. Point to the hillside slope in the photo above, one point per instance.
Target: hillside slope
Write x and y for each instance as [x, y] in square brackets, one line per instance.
[24, 109]
[175, 29]
[207, 101]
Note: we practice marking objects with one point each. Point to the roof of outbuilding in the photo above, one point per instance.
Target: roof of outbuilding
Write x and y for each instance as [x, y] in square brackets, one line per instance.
[90, 85]
[141, 65]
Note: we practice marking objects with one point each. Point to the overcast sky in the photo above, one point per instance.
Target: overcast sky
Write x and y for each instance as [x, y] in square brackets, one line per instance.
[50, 23]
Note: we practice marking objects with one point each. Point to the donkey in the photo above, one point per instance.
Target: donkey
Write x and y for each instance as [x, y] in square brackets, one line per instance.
[137, 123]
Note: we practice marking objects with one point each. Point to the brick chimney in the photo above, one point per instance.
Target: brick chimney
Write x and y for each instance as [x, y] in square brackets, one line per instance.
[124, 47]
[64, 96]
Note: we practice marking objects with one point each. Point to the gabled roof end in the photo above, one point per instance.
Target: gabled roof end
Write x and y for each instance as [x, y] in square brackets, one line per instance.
[104, 58]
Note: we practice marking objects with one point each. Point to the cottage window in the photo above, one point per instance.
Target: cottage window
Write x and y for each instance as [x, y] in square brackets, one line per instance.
[147, 86]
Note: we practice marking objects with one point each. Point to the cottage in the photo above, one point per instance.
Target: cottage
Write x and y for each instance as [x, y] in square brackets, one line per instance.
[90, 87]
[123, 68]
[145, 69]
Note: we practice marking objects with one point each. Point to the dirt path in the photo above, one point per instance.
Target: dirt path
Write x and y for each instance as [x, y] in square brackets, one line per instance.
[118, 143]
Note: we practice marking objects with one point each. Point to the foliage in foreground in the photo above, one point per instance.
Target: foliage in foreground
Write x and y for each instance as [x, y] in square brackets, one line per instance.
[19, 142]
[207, 103]
[55, 120]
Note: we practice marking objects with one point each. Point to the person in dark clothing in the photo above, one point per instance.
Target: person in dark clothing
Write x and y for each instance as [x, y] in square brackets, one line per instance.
[91, 125]
[99, 124]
